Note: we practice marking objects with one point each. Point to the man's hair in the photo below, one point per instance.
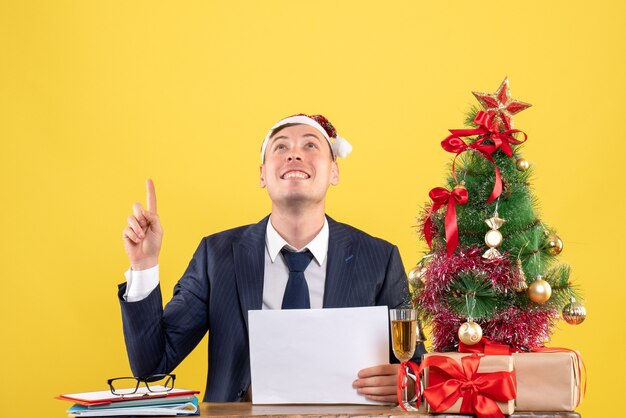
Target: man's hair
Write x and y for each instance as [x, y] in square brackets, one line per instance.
[287, 125]
[281, 127]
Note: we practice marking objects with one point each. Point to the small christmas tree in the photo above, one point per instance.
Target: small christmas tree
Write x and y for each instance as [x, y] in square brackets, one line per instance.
[492, 266]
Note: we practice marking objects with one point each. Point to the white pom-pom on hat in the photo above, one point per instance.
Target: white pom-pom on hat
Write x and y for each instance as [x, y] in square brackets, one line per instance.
[341, 147]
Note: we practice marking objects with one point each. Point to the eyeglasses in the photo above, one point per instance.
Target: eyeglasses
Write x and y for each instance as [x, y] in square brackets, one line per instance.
[158, 383]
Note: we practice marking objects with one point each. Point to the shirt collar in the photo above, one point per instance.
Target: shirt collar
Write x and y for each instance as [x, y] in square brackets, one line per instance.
[318, 245]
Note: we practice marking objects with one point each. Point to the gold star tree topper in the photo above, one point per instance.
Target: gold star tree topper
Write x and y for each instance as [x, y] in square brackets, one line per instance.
[501, 106]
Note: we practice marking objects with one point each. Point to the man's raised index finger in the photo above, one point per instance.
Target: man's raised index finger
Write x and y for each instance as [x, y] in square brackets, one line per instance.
[151, 196]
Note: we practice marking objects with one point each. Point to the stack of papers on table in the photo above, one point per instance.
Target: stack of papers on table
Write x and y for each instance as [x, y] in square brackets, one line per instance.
[176, 402]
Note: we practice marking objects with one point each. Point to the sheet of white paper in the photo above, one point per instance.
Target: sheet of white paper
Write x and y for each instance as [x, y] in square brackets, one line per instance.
[314, 355]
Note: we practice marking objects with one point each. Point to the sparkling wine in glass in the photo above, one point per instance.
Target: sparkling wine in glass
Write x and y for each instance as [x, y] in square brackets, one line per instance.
[404, 337]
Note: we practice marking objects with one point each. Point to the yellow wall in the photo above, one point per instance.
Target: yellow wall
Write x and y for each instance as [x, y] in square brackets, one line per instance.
[95, 96]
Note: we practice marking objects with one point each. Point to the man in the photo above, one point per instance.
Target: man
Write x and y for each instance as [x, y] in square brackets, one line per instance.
[251, 267]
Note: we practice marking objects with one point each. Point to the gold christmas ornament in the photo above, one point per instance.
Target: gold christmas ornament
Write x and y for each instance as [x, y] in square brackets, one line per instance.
[492, 253]
[493, 237]
[470, 333]
[522, 164]
[574, 313]
[495, 222]
[539, 290]
[417, 273]
[521, 285]
[554, 244]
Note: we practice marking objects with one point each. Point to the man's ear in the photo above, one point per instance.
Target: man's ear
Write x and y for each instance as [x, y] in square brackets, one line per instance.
[334, 174]
[262, 176]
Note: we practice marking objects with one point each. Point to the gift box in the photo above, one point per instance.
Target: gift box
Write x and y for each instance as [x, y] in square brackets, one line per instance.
[548, 381]
[469, 383]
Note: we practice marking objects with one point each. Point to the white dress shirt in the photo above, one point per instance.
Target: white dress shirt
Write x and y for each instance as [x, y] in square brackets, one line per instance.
[277, 273]
[141, 282]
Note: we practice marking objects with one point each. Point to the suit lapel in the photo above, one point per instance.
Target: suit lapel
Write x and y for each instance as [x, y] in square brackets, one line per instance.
[248, 254]
[342, 249]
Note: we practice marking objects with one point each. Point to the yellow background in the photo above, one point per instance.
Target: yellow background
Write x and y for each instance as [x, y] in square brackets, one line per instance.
[96, 96]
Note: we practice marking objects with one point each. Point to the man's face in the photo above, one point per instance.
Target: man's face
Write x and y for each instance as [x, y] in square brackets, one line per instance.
[298, 166]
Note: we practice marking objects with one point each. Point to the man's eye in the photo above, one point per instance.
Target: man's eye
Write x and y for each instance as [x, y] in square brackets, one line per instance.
[311, 145]
[279, 147]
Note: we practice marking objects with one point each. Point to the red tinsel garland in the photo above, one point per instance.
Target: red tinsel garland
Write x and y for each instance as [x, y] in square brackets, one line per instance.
[521, 328]
[517, 327]
[443, 269]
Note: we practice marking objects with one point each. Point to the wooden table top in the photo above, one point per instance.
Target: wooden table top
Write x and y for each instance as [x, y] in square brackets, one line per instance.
[246, 409]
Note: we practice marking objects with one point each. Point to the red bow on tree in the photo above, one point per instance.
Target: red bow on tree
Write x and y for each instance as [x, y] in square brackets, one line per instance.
[479, 391]
[488, 131]
[441, 197]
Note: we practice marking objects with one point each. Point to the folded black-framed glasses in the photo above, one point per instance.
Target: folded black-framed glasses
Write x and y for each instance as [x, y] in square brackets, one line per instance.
[158, 383]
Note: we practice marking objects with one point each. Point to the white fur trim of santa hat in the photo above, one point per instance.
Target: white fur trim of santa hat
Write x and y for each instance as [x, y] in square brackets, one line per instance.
[340, 146]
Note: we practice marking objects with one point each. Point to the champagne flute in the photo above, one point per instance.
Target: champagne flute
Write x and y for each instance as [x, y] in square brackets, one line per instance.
[404, 336]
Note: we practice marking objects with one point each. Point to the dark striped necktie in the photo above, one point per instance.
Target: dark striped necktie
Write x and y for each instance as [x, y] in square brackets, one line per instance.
[297, 292]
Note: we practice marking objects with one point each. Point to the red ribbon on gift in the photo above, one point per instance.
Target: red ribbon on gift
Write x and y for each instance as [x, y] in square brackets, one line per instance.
[488, 131]
[486, 346]
[480, 391]
[403, 380]
[441, 197]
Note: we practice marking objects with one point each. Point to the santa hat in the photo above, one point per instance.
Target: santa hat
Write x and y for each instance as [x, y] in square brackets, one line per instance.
[339, 146]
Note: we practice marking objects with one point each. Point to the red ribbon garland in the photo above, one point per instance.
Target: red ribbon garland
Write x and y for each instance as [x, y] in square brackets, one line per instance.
[403, 380]
[479, 391]
[440, 197]
[488, 131]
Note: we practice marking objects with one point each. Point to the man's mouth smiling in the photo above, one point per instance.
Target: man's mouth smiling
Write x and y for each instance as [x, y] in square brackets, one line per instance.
[295, 174]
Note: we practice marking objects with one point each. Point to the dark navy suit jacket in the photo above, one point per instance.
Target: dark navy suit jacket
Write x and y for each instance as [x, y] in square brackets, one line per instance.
[224, 280]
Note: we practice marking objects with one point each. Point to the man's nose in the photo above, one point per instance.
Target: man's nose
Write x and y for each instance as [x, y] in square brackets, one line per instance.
[294, 155]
